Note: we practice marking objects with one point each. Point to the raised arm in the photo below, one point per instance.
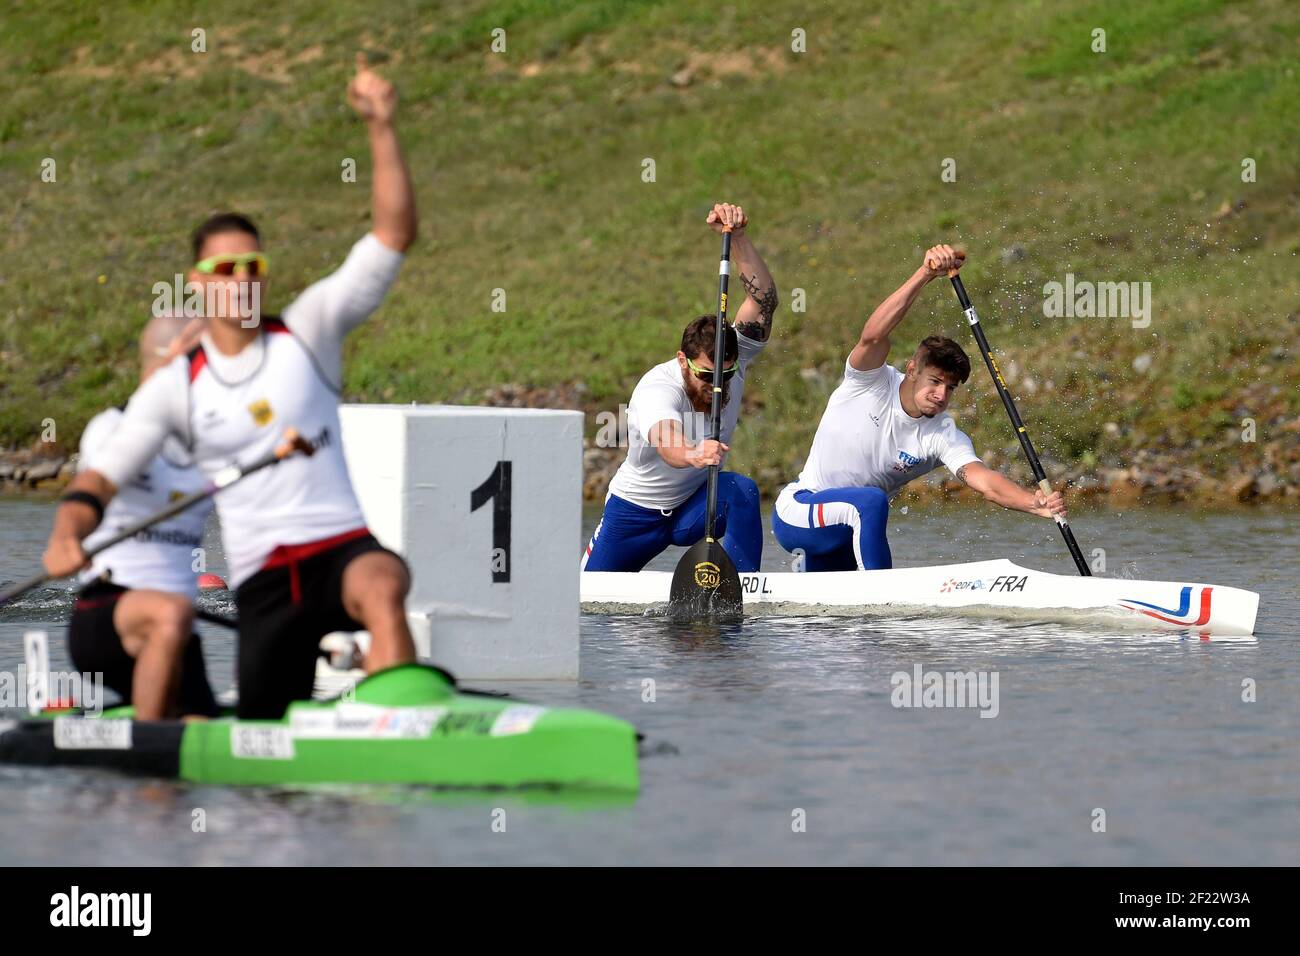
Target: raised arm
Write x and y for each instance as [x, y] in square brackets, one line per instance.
[872, 348]
[754, 317]
[392, 196]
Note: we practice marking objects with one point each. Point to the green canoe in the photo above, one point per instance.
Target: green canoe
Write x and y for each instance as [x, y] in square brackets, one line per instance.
[407, 725]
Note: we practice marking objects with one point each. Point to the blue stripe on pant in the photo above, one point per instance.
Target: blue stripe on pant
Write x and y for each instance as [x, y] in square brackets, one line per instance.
[836, 519]
[628, 535]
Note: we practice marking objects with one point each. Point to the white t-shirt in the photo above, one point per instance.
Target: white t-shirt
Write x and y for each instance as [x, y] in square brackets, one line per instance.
[865, 439]
[644, 478]
[286, 383]
[160, 558]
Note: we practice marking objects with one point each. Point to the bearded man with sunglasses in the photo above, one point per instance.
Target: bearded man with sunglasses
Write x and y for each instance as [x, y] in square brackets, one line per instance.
[301, 559]
[657, 497]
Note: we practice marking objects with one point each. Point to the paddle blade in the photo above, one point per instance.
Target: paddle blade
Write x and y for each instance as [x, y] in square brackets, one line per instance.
[706, 586]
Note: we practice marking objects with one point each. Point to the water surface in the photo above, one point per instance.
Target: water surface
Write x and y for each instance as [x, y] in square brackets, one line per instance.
[756, 727]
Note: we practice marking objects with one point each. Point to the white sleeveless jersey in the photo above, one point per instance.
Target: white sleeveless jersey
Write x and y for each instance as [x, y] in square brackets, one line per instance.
[300, 499]
[160, 558]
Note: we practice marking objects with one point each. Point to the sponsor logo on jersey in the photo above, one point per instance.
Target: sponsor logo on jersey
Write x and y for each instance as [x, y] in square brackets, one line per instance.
[174, 536]
[906, 462]
[261, 412]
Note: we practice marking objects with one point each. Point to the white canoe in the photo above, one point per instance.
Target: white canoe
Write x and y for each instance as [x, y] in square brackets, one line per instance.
[992, 586]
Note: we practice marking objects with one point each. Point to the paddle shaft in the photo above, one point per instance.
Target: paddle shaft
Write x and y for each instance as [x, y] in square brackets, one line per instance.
[719, 355]
[223, 479]
[705, 585]
[1013, 413]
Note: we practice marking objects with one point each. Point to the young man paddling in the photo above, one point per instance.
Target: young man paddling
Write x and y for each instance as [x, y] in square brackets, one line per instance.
[881, 429]
[133, 617]
[657, 496]
[301, 559]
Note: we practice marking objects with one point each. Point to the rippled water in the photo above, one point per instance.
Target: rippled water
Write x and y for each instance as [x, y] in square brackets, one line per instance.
[753, 723]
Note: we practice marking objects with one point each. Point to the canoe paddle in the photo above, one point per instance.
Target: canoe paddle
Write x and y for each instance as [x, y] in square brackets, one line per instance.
[706, 584]
[1009, 404]
[290, 444]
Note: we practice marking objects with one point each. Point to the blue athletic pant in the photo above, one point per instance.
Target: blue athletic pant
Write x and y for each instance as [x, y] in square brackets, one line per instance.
[628, 535]
[840, 529]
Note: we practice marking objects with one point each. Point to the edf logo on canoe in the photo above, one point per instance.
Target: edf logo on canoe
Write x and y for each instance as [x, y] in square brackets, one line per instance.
[1006, 582]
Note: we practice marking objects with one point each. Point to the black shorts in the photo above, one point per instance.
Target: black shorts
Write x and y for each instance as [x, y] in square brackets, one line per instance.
[284, 611]
[95, 647]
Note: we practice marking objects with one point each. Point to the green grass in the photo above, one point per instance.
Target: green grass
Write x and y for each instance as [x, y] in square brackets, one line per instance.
[528, 168]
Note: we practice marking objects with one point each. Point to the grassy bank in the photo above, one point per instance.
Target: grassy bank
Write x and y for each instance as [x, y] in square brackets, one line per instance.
[1123, 165]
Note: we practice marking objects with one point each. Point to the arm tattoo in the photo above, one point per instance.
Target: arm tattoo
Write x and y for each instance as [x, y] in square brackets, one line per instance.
[767, 300]
[961, 474]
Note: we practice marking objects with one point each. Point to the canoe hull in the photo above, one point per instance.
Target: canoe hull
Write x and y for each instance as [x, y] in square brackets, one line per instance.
[403, 726]
[993, 585]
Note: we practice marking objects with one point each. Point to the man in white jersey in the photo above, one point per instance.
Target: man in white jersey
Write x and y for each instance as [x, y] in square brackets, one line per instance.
[302, 561]
[881, 429]
[657, 496]
[134, 613]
